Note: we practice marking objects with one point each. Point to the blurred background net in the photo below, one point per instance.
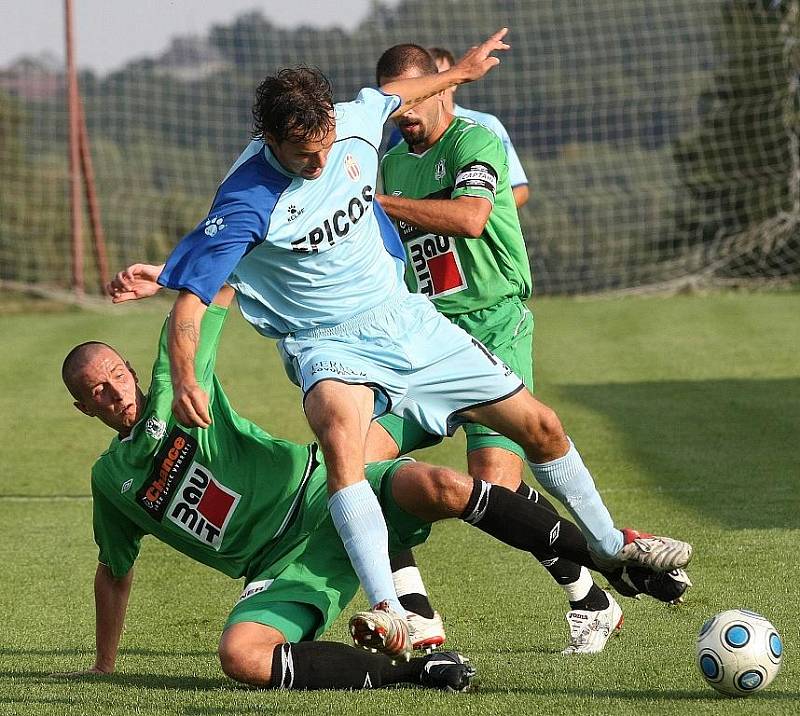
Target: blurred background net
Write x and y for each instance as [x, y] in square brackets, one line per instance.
[660, 138]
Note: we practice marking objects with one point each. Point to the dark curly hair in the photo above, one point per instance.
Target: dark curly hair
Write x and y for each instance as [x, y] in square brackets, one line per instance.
[296, 103]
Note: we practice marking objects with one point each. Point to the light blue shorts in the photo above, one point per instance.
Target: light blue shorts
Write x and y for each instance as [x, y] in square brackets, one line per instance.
[419, 364]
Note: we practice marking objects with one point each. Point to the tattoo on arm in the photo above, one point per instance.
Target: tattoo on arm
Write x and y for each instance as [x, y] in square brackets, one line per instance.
[187, 329]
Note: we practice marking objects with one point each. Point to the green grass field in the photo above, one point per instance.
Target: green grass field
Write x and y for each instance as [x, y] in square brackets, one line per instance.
[687, 410]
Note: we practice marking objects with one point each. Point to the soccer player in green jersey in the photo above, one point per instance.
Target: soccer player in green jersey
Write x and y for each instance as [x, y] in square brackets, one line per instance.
[448, 188]
[250, 505]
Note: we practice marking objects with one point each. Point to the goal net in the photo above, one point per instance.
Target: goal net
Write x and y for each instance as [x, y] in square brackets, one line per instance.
[660, 138]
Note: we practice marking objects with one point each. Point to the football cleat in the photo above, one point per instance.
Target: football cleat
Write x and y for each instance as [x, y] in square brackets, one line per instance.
[381, 629]
[446, 670]
[668, 587]
[426, 634]
[589, 631]
[661, 554]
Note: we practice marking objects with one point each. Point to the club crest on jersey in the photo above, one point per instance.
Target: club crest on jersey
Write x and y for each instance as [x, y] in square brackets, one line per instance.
[155, 428]
[202, 506]
[351, 167]
[440, 170]
[214, 224]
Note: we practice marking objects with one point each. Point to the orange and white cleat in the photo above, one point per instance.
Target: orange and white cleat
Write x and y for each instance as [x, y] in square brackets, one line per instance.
[381, 629]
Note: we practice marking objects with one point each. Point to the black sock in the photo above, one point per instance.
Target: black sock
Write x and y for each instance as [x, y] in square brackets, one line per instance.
[414, 601]
[563, 571]
[332, 665]
[524, 524]
[535, 496]
[596, 600]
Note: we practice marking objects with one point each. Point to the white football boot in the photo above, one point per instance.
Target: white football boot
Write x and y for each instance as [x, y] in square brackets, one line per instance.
[426, 634]
[589, 631]
[661, 554]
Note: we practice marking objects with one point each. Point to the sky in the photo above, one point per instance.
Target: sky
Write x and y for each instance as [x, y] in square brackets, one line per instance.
[109, 33]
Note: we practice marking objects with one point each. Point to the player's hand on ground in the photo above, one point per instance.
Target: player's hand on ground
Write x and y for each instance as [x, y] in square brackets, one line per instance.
[190, 406]
[478, 60]
[135, 282]
[94, 671]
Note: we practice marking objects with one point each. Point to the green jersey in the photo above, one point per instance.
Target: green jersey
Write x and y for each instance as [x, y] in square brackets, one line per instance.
[224, 495]
[459, 274]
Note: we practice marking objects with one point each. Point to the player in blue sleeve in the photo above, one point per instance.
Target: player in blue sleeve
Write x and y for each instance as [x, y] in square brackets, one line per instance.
[316, 263]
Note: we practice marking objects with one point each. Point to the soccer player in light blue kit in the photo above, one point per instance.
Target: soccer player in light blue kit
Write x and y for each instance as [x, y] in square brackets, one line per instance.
[316, 263]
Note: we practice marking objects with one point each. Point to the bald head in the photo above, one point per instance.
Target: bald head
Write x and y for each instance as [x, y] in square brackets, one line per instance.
[77, 359]
[104, 385]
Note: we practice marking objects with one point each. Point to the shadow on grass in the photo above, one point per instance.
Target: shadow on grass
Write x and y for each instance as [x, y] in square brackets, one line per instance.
[88, 651]
[649, 695]
[723, 448]
[144, 681]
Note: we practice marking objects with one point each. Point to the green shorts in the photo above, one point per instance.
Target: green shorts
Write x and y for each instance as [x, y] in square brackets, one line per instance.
[506, 329]
[302, 596]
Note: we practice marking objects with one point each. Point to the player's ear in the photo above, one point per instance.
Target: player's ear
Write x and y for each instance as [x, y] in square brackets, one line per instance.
[83, 408]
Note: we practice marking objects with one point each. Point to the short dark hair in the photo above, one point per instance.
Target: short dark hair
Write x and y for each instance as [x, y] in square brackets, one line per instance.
[72, 362]
[296, 103]
[399, 59]
[442, 53]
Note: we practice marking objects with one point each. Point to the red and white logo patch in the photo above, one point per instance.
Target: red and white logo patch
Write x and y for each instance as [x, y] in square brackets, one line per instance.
[436, 265]
[351, 167]
[203, 507]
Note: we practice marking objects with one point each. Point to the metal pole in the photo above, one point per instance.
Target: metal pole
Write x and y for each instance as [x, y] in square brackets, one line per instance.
[76, 207]
[98, 235]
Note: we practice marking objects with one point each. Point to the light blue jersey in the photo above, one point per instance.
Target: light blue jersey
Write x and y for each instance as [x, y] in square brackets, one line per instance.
[516, 174]
[300, 253]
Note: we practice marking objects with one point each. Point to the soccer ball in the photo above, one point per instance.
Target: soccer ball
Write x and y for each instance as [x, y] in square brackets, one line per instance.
[738, 652]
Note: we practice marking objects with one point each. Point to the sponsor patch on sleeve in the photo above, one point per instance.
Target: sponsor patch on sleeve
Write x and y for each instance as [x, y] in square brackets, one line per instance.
[477, 175]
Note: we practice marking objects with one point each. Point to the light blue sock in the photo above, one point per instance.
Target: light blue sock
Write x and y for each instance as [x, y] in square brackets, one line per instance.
[359, 521]
[567, 479]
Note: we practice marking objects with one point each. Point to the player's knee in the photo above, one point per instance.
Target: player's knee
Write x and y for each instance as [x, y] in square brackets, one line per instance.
[236, 663]
[448, 489]
[247, 663]
[545, 432]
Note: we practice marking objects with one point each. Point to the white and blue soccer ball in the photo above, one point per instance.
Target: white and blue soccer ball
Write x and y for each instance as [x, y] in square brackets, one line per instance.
[739, 652]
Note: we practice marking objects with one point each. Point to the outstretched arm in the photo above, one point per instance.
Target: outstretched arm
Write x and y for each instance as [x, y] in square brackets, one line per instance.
[472, 66]
[190, 401]
[141, 281]
[136, 281]
[111, 604]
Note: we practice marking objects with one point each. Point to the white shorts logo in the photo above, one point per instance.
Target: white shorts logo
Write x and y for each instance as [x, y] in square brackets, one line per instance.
[203, 507]
[253, 588]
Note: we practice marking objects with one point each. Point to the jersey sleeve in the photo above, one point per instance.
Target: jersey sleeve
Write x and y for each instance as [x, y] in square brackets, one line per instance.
[203, 260]
[479, 159]
[206, 356]
[117, 537]
[516, 173]
[365, 115]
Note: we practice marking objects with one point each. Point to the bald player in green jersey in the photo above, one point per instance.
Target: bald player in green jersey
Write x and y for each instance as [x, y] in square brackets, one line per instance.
[250, 505]
[447, 187]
